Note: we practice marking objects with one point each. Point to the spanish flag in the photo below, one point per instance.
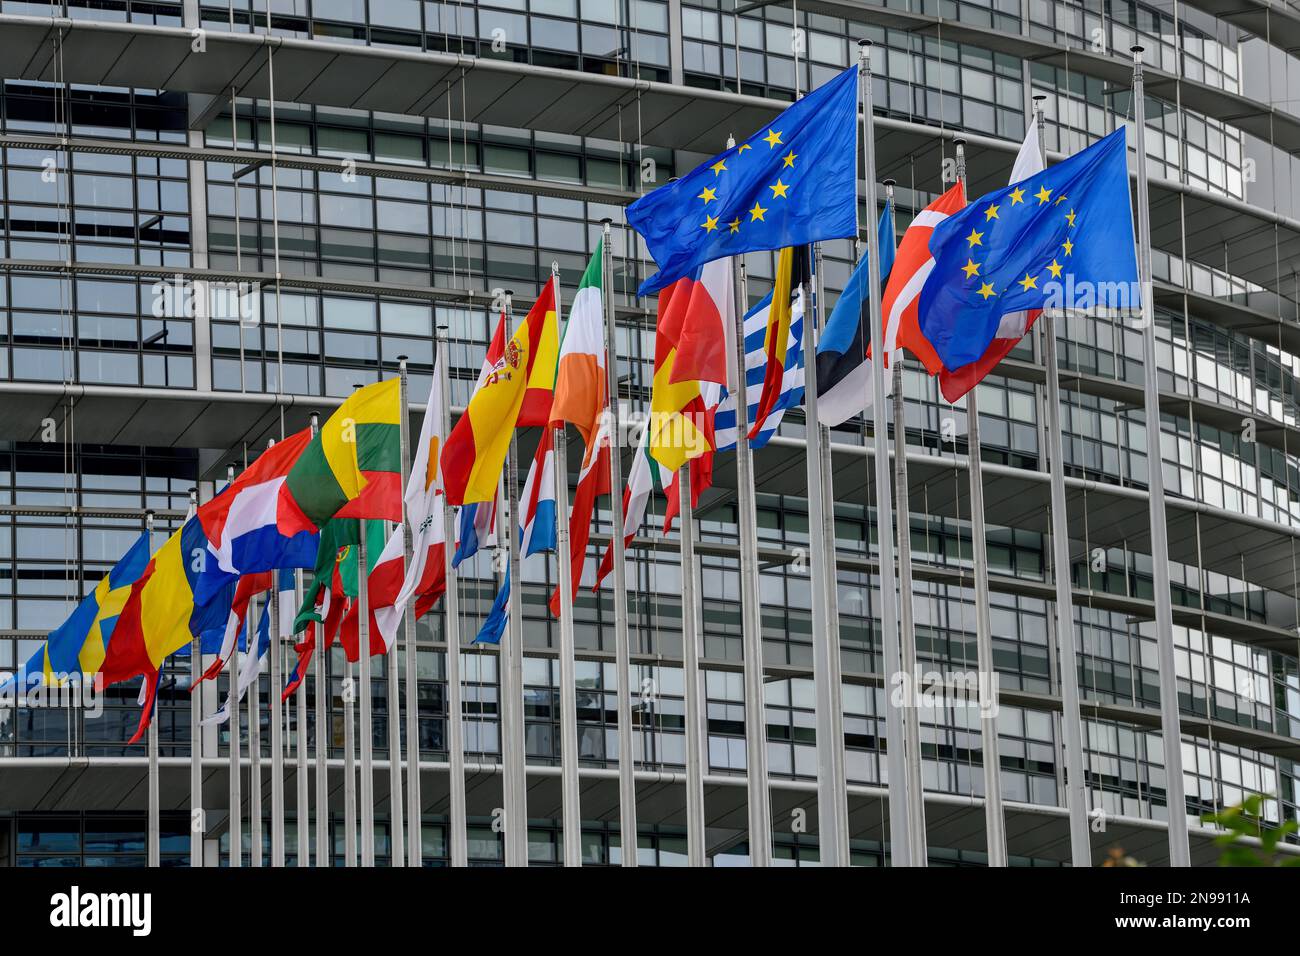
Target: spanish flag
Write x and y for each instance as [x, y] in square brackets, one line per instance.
[352, 468]
[476, 449]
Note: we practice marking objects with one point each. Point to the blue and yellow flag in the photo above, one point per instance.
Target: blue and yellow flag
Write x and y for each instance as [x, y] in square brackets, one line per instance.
[77, 645]
[793, 182]
[1062, 239]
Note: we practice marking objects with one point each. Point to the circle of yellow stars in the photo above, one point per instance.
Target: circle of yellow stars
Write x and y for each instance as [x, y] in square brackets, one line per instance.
[780, 189]
[975, 240]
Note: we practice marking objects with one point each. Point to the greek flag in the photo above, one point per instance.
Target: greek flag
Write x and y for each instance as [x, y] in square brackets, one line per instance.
[724, 423]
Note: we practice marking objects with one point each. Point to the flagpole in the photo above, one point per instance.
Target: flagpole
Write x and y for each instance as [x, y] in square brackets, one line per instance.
[1076, 791]
[236, 810]
[1176, 800]
[899, 835]
[903, 507]
[349, 767]
[324, 729]
[300, 770]
[277, 721]
[696, 730]
[198, 821]
[515, 770]
[758, 797]
[832, 792]
[365, 729]
[458, 840]
[570, 789]
[154, 834]
[254, 743]
[627, 828]
[398, 799]
[414, 803]
[994, 824]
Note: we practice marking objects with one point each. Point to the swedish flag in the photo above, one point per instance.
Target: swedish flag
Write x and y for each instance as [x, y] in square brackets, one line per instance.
[77, 645]
[792, 183]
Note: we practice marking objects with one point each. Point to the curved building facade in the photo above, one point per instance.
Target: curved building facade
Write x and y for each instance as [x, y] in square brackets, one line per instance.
[342, 177]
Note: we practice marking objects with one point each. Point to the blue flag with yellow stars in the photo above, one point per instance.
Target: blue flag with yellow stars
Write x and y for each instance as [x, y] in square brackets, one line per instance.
[1062, 239]
[791, 183]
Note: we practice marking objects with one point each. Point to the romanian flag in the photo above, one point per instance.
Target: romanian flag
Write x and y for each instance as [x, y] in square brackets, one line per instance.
[524, 373]
[352, 468]
[156, 619]
[580, 383]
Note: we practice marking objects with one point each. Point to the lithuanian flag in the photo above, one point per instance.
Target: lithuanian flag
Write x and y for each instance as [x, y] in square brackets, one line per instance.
[476, 448]
[352, 468]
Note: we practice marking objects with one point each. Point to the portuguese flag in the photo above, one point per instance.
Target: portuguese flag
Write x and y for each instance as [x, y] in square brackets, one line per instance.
[352, 468]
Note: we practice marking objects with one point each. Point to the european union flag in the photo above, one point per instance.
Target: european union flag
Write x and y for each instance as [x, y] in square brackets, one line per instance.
[1062, 239]
[791, 183]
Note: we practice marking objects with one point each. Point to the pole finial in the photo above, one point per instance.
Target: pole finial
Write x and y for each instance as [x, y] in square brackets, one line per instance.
[889, 183]
[1039, 97]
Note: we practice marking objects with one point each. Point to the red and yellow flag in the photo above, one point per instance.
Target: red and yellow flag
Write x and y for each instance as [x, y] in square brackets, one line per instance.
[523, 375]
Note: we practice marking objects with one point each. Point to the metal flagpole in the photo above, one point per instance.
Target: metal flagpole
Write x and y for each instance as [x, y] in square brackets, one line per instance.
[622, 647]
[570, 791]
[907, 626]
[365, 729]
[236, 810]
[832, 792]
[154, 829]
[396, 795]
[324, 732]
[834, 668]
[515, 769]
[994, 824]
[277, 721]
[899, 832]
[758, 797]
[198, 821]
[414, 804]
[696, 729]
[254, 745]
[1076, 790]
[1176, 800]
[302, 811]
[349, 767]
[458, 840]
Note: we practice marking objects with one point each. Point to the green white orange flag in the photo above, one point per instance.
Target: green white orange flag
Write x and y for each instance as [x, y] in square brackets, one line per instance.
[352, 468]
[580, 382]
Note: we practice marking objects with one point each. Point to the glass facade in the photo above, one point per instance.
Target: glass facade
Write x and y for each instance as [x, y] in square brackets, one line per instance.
[383, 227]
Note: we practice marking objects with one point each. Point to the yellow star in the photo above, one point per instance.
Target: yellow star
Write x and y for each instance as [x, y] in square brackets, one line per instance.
[743, 147]
[734, 225]
[990, 213]
[1043, 195]
[1068, 246]
[710, 223]
[975, 238]
[790, 157]
[719, 166]
[1070, 218]
[780, 190]
[1028, 282]
[986, 290]
[971, 268]
[1060, 199]
[773, 138]
[1055, 269]
[1017, 196]
[709, 195]
[757, 213]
